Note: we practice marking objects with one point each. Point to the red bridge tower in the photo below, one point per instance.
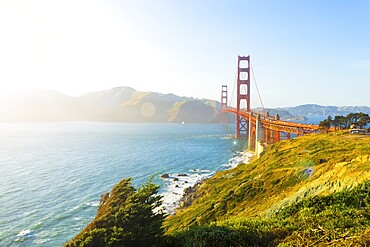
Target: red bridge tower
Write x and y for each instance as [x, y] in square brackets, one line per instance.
[223, 119]
[243, 82]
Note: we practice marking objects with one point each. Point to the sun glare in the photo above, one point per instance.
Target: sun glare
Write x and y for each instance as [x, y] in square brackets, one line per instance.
[74, 47]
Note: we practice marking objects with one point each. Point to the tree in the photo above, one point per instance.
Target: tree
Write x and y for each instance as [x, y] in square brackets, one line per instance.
[127, 217]
[325, 124]
[357, 120]
[341, 122]
[364, 119]
[335, 122]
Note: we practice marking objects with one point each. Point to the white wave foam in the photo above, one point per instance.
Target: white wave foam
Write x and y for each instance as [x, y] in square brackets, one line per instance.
[93, 204]
[25, 233]
[174, 190]
[199, 170]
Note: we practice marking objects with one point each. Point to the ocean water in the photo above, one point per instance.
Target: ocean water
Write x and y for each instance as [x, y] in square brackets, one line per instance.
[52, 174]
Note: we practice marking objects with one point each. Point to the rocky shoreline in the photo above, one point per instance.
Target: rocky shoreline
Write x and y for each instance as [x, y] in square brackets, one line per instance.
[190, 193]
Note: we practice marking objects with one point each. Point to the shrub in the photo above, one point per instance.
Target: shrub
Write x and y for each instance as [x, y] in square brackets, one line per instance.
[126, 218]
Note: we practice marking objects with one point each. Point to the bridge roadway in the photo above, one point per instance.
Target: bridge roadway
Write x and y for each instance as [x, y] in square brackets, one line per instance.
[276, 125]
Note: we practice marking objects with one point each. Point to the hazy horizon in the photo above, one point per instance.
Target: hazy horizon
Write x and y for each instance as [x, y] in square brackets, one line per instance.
[185, 96]
[301, 52]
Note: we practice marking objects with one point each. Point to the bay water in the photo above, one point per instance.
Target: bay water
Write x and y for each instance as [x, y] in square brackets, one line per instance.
[52, 174]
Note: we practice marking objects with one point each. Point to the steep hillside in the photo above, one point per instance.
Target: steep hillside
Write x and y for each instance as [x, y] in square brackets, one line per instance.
[183, 112]
[291, 176]
[113, 97]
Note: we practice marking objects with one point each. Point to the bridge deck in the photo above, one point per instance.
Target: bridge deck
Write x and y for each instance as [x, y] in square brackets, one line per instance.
[276, 125]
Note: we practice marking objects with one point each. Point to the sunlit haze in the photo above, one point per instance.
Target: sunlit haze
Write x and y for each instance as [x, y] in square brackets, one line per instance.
[302, 51]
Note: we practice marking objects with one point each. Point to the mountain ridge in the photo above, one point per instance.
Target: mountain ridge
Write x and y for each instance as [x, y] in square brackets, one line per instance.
[125, 104]
[120, 104]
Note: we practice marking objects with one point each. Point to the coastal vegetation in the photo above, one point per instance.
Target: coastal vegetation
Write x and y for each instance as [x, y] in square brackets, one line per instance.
[355, 120]
[308, 191]
[125, 217]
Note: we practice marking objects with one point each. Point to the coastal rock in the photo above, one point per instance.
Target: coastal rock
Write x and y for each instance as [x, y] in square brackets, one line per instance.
[182, 175]
[321, 161]
[104, 198]
[189, 195]
[175, 179]
[165, 175]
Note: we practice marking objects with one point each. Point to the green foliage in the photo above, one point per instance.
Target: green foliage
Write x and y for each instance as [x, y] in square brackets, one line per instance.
[126, 218]
[206, 236]
[340, 218]
[358, 120]
[273, 197]
[251, 189]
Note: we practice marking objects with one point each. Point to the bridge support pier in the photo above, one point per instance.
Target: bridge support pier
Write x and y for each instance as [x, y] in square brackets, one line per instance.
[267, 135]
[276, 136]
[250, 132]
[257, 132]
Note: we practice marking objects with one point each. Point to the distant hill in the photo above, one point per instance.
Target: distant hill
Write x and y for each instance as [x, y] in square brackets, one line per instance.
[41, 106]
[324, 111]
[311, 113]
[283, 114]
[123, 104]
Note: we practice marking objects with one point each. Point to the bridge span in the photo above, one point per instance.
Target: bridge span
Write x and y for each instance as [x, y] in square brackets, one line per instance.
[257, 127]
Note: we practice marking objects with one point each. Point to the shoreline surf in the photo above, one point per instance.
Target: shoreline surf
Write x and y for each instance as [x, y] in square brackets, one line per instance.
[176, 183]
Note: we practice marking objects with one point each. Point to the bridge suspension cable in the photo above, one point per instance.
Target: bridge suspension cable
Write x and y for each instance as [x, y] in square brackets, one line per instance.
[232, 92]
[258, 91]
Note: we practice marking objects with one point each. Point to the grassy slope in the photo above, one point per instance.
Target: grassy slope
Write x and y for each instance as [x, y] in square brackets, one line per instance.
[289, 172]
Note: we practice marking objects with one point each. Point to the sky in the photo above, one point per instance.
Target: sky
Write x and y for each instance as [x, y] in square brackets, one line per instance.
[302, 52]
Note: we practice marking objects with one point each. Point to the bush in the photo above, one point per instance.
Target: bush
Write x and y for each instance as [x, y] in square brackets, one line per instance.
[125, 218]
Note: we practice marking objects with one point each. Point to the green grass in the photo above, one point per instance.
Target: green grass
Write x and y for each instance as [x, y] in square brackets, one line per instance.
[288, 172]
[339, 219]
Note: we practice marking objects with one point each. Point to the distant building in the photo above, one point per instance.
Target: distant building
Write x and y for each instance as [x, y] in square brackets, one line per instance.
[357, 131]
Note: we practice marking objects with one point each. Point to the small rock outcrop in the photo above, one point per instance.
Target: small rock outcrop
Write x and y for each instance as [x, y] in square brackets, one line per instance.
[189, 195]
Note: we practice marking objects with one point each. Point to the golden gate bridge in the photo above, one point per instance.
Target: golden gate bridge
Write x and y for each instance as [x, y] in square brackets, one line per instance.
[255, 126]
